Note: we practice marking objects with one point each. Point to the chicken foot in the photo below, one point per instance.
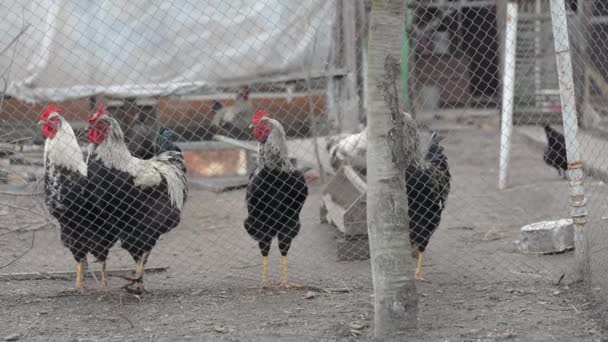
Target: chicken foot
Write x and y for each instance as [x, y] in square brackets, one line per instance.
[419, 276]
[80, 273]
[285, 284]
[138, 280]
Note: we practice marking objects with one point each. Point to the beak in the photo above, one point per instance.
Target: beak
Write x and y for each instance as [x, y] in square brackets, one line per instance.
[40, 122]
[251, 126]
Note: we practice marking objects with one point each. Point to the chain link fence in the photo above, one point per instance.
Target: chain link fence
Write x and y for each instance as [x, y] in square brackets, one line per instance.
[191, 76]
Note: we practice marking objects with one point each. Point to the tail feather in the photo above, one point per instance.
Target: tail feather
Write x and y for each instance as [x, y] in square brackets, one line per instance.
[174, 173]
[434, 153]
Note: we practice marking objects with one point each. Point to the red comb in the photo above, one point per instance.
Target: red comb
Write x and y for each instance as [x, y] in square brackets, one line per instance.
[101, 111]
[259, 115]
[52, 108]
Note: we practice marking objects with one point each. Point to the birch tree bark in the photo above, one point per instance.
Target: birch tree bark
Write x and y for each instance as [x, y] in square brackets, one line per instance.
[395, 300]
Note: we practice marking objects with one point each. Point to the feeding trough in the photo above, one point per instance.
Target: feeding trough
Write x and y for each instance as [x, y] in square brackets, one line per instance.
[344, 206]
[547, 237]
[216, 165]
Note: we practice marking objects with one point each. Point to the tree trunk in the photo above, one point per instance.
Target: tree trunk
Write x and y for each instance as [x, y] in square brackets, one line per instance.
[395, 300]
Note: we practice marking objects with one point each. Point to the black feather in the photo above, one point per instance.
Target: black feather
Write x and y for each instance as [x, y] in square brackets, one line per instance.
[72, 200]
[139, 215]
[274, 201]
[427, 187]
[555, 152]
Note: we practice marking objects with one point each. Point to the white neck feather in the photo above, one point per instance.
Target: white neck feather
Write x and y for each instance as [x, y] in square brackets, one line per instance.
[63, 150]
[273, 153]
[113, 153]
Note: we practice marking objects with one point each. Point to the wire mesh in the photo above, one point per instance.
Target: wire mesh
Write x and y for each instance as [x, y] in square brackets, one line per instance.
[191, 76]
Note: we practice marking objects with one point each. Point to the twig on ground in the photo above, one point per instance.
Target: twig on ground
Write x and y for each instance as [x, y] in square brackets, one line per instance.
[27, 228]
[27, 210]
[22, 254]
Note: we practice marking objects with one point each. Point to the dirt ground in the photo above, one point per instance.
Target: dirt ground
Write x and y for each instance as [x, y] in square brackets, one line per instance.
[483, 288]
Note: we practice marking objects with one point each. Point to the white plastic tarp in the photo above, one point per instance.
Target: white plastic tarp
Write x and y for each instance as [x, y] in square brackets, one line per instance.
[77, 48]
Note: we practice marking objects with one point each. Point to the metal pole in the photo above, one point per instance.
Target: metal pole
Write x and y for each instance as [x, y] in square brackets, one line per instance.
[537, 52]
[508, 93]
[578, 209]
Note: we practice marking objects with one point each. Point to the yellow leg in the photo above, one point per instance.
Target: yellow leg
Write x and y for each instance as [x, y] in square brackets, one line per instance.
[139, 267]
[265, 282]
[82, 265]
[80, 271]
[285, 276]
[419, 276]
[138, 280]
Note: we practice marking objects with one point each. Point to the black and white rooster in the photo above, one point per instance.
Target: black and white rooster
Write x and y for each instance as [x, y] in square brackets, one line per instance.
[427, 186]
[275, 195]
[70, 196]
[143, 198]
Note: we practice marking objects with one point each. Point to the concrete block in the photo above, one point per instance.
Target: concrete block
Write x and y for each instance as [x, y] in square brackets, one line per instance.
[547, 237]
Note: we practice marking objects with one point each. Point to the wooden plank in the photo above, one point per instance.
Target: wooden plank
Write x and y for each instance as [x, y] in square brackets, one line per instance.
[335, 213]
[70, 274]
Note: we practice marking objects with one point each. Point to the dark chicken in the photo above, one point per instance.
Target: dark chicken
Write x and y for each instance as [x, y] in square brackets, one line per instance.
[70, 196]
[275, 195]
[427, 187]
[146, 141]
[555, 152]
[142, 198]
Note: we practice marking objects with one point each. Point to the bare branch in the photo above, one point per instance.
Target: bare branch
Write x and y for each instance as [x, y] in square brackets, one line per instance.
[27, 210]
[314, 123]
[14, 40]
[27, 228]
[22, 254]
[24, 194]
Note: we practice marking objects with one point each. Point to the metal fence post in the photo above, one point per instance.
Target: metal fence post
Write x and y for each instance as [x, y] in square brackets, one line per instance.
[578, 210]
[508, 93]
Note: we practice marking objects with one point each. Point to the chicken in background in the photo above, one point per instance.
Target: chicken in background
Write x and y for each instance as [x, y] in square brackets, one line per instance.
[233, 121]
[275, 195]
[348, 149]
[144, 135]
[70, 196]
[142, 198]
[555, 152]
[141, 137]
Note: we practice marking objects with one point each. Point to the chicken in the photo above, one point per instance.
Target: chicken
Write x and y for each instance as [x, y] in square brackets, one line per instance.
[427, 186]
[555, 152]
[232, 121]
[166, 140]
[348, 149]
[142, 141]
[276, 193]
[144, 198]
[69, 196]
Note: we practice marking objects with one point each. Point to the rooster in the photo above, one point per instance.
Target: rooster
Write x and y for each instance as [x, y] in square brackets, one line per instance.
[555, 152]
[427, 187]
[145, 197]
[276, 193]
[69, 196]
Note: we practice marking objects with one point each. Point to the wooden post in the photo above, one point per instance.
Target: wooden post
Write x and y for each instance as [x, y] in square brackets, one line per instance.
[350, 99]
